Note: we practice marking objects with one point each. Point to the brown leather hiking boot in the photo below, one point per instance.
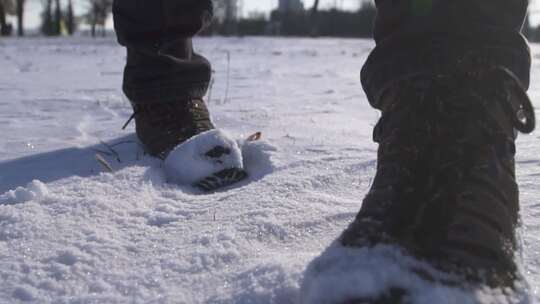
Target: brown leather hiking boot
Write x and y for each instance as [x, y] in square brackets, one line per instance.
[445, 188]
[163, 126]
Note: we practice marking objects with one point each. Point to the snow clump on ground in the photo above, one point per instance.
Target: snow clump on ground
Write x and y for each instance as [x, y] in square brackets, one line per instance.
[34, 190]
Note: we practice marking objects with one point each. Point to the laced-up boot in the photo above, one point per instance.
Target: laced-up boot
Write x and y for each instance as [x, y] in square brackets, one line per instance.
[445, 189]
[163, 126]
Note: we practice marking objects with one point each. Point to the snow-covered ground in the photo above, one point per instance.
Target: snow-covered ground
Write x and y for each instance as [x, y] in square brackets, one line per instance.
[72, 233]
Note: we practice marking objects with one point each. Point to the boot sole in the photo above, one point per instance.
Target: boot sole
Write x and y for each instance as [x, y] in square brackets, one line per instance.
[221, 179]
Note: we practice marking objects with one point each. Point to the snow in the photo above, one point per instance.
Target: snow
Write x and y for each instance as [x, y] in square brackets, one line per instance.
[189, 163]
[34, 190]
[72, 232]
[341, 274]
[257, 158]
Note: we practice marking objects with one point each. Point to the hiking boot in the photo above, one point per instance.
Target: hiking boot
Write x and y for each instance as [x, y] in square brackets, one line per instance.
[445, 189]
[163, 126]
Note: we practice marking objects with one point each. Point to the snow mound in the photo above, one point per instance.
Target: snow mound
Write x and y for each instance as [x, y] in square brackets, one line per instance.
[34, 190]
[192, 160]
[129, 237]
[341, 274]
[257, 156]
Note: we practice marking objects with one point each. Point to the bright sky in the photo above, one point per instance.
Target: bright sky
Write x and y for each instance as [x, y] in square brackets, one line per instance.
[262, 6]
[267, 5]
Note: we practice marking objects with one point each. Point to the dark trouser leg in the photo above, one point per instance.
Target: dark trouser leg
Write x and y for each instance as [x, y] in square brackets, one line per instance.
[164, 79]
[432, 36]
[161, 65]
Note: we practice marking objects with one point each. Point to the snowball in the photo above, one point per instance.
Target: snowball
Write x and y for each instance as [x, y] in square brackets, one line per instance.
[189, 163]
[257, 157]
[34, 190]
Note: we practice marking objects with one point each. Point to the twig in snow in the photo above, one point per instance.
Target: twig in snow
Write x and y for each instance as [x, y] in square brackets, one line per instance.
[254, 137]
[102, 152]
[104, 163]
[210, 88]
[123, 143]
[228, 76]
[112, 151]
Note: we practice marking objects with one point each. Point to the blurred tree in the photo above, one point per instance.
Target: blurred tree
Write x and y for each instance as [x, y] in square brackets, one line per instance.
[531, 32]
[366, 19]
[3, 24]
[57, 21]
[315, 7]
[97, 16]
[70, 19]
[20, 17]
[253, 26]
[333, 22]
[226, 15]
[313, 18]
[47, 27]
